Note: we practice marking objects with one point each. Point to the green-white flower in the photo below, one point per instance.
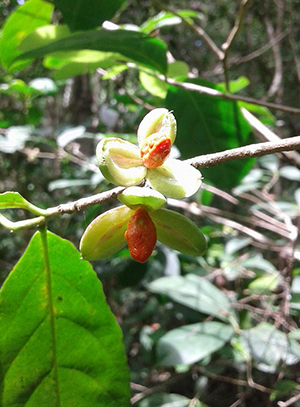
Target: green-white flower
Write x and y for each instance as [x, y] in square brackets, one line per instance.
[125, 164]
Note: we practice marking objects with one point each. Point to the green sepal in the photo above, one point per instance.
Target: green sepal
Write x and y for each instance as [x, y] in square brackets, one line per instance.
[137, 197]
[175, 179]
[178, 232]
[157, 121]
[105, 235]
[120, 162]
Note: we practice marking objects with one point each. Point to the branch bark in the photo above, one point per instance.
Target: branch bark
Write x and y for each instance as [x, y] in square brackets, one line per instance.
[250, 151]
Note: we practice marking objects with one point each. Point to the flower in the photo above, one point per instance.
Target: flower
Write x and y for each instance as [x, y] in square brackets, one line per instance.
[140, 223]
[125, 164]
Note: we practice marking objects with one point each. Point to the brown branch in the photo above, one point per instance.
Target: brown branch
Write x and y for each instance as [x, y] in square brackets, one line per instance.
[255, 54]
[232, 35]
[250, 151]
[227, 96]
[209, 160]
[265, 134]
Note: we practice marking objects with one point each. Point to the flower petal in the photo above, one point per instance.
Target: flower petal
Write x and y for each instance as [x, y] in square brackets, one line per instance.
[120, 162]
[175, 179]
[146, 198]
[105, 235]
[157, 121]
[178, 232]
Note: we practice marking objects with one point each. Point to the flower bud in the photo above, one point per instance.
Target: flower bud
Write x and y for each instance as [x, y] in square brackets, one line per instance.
[147, 198]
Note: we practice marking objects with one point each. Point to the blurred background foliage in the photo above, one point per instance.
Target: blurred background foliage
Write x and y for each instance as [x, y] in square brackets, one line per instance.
[216, 331]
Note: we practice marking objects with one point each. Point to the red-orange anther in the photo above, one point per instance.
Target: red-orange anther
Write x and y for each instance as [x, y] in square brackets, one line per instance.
[141, 236]
[155, 151]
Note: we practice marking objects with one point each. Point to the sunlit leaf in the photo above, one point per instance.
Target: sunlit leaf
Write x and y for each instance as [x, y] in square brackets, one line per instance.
[25, 19]
[133, 45]
[60, 344]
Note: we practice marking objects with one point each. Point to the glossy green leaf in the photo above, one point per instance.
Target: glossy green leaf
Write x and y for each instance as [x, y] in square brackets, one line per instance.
[26, 18]
[133, 45]
[208, 124]
[10, 200]
[105, 235]
[235, 86]
[178, 232]
[85, 15]
[154, 85]
[191, 343]
[196, 293]
[43, 36]
[60, 344]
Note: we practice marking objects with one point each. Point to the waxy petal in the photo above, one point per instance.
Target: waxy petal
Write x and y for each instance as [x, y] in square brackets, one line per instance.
[178, 232]
[157, 121]
[135, 197]
[175, 179]
[105, 235]
[120, 162]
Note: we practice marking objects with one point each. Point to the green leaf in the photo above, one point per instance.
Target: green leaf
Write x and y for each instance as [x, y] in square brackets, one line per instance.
[235, 86]
[191, 343]
[283, 387]
[132, 45]
[208, 124]
[167, 400]
[154, 85]
[268, 346]
[60, 344]
[264, 284]
[167, 18]
[26, 18]
[85, 15]
[10, 200]
[196, 293]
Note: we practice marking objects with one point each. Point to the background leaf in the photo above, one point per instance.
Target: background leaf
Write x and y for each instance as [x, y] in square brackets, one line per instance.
[33, 14]
[85, 15]
[268, 346]
[196, 293]
[167, 400]
[191, 343]
[60, 344]
[207, 124]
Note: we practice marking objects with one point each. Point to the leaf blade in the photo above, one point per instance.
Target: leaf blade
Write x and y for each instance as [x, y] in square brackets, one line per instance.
[133, 45]
[85, 333]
